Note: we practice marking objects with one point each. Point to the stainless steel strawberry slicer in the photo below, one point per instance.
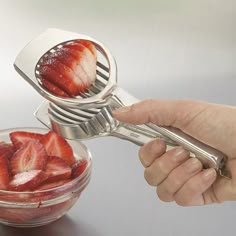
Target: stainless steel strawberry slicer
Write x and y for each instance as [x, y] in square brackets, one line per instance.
[89, 115]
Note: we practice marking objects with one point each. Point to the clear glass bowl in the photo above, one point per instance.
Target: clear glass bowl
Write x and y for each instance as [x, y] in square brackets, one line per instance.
[37, 208]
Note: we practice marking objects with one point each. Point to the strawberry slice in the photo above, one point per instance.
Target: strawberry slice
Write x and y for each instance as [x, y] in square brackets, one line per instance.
[50, 185]
[4, 172]
[85, 58]
[49, 190]
[78, 168]
[19, 138]
[27, 180]
[6, 149]
[31, 156]
[15, 196]
[71, 61]
[71, 86]
[56, 145]
[57, 169]
[88, 45]
[54, 89]
[72, 68]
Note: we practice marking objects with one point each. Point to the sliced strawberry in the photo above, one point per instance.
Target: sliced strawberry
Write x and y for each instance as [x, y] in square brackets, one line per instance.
[71, 86]
[19, 138]
[49, 190]
[86, 59]
[6, 149]
[54, 89]
[88, 45]
[72, 68]
[72, 60]
[28, 180]
[15, 196]
[4, 173]
[57, 169]
[56, 145]
[31, 156]
[78, 168]
[50, 185]
[73, 65]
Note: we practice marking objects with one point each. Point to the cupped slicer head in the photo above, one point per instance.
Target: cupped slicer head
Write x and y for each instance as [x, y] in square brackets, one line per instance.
[28, 60]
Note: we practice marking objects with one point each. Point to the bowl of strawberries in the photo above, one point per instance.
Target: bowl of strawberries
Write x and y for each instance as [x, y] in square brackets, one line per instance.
[42, 175]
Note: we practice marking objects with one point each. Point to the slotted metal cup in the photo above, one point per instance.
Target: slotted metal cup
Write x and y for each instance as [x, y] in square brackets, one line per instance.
[87, 123]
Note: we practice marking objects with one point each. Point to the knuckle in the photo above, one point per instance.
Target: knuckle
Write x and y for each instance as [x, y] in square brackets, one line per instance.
[148, 176]
[164, 196]
[191, 188]
[177, 151]
[144, 162]
[158, 146]
[181, 202]
[142, 157]
[133, 107]
[175, 181]
[149, 101]
[161, 167]
[185, 199]
[170, 153]
[151, 151]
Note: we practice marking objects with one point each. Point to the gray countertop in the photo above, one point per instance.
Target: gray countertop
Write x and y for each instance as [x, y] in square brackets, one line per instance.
[164, 49]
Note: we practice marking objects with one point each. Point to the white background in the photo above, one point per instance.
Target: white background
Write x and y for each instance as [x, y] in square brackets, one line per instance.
[164, 49]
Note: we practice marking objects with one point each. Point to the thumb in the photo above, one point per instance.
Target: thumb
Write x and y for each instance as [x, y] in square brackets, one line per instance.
[176, 113]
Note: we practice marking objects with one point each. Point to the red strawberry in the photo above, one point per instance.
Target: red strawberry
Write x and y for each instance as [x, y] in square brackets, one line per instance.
[87, 61]
[72, 62]
[19, 138]
[4, 173]
[56, 145]
[31, 156]
[6, 149]
[57, 169]
[64, 81]
[72, 67]
[50, 185]
[15, 197]
[48, 190]
[88, 45]
[78, 168]
[54, 89]
[27, 180]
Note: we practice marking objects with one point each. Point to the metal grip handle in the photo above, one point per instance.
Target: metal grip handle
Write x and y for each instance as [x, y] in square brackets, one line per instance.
[209, 156]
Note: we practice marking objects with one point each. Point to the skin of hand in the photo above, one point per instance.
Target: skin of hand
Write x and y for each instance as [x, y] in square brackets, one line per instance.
[176, 176]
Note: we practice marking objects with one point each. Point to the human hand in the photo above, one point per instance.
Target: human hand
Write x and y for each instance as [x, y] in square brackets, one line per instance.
[177, 177]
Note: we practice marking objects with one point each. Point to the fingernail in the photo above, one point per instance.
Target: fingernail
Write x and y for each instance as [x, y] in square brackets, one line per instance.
[122, 110]
[192, 165]
[209, 174]
[179, 154]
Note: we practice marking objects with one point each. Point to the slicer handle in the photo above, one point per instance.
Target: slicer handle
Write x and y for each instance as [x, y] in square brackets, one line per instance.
[209, 156]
